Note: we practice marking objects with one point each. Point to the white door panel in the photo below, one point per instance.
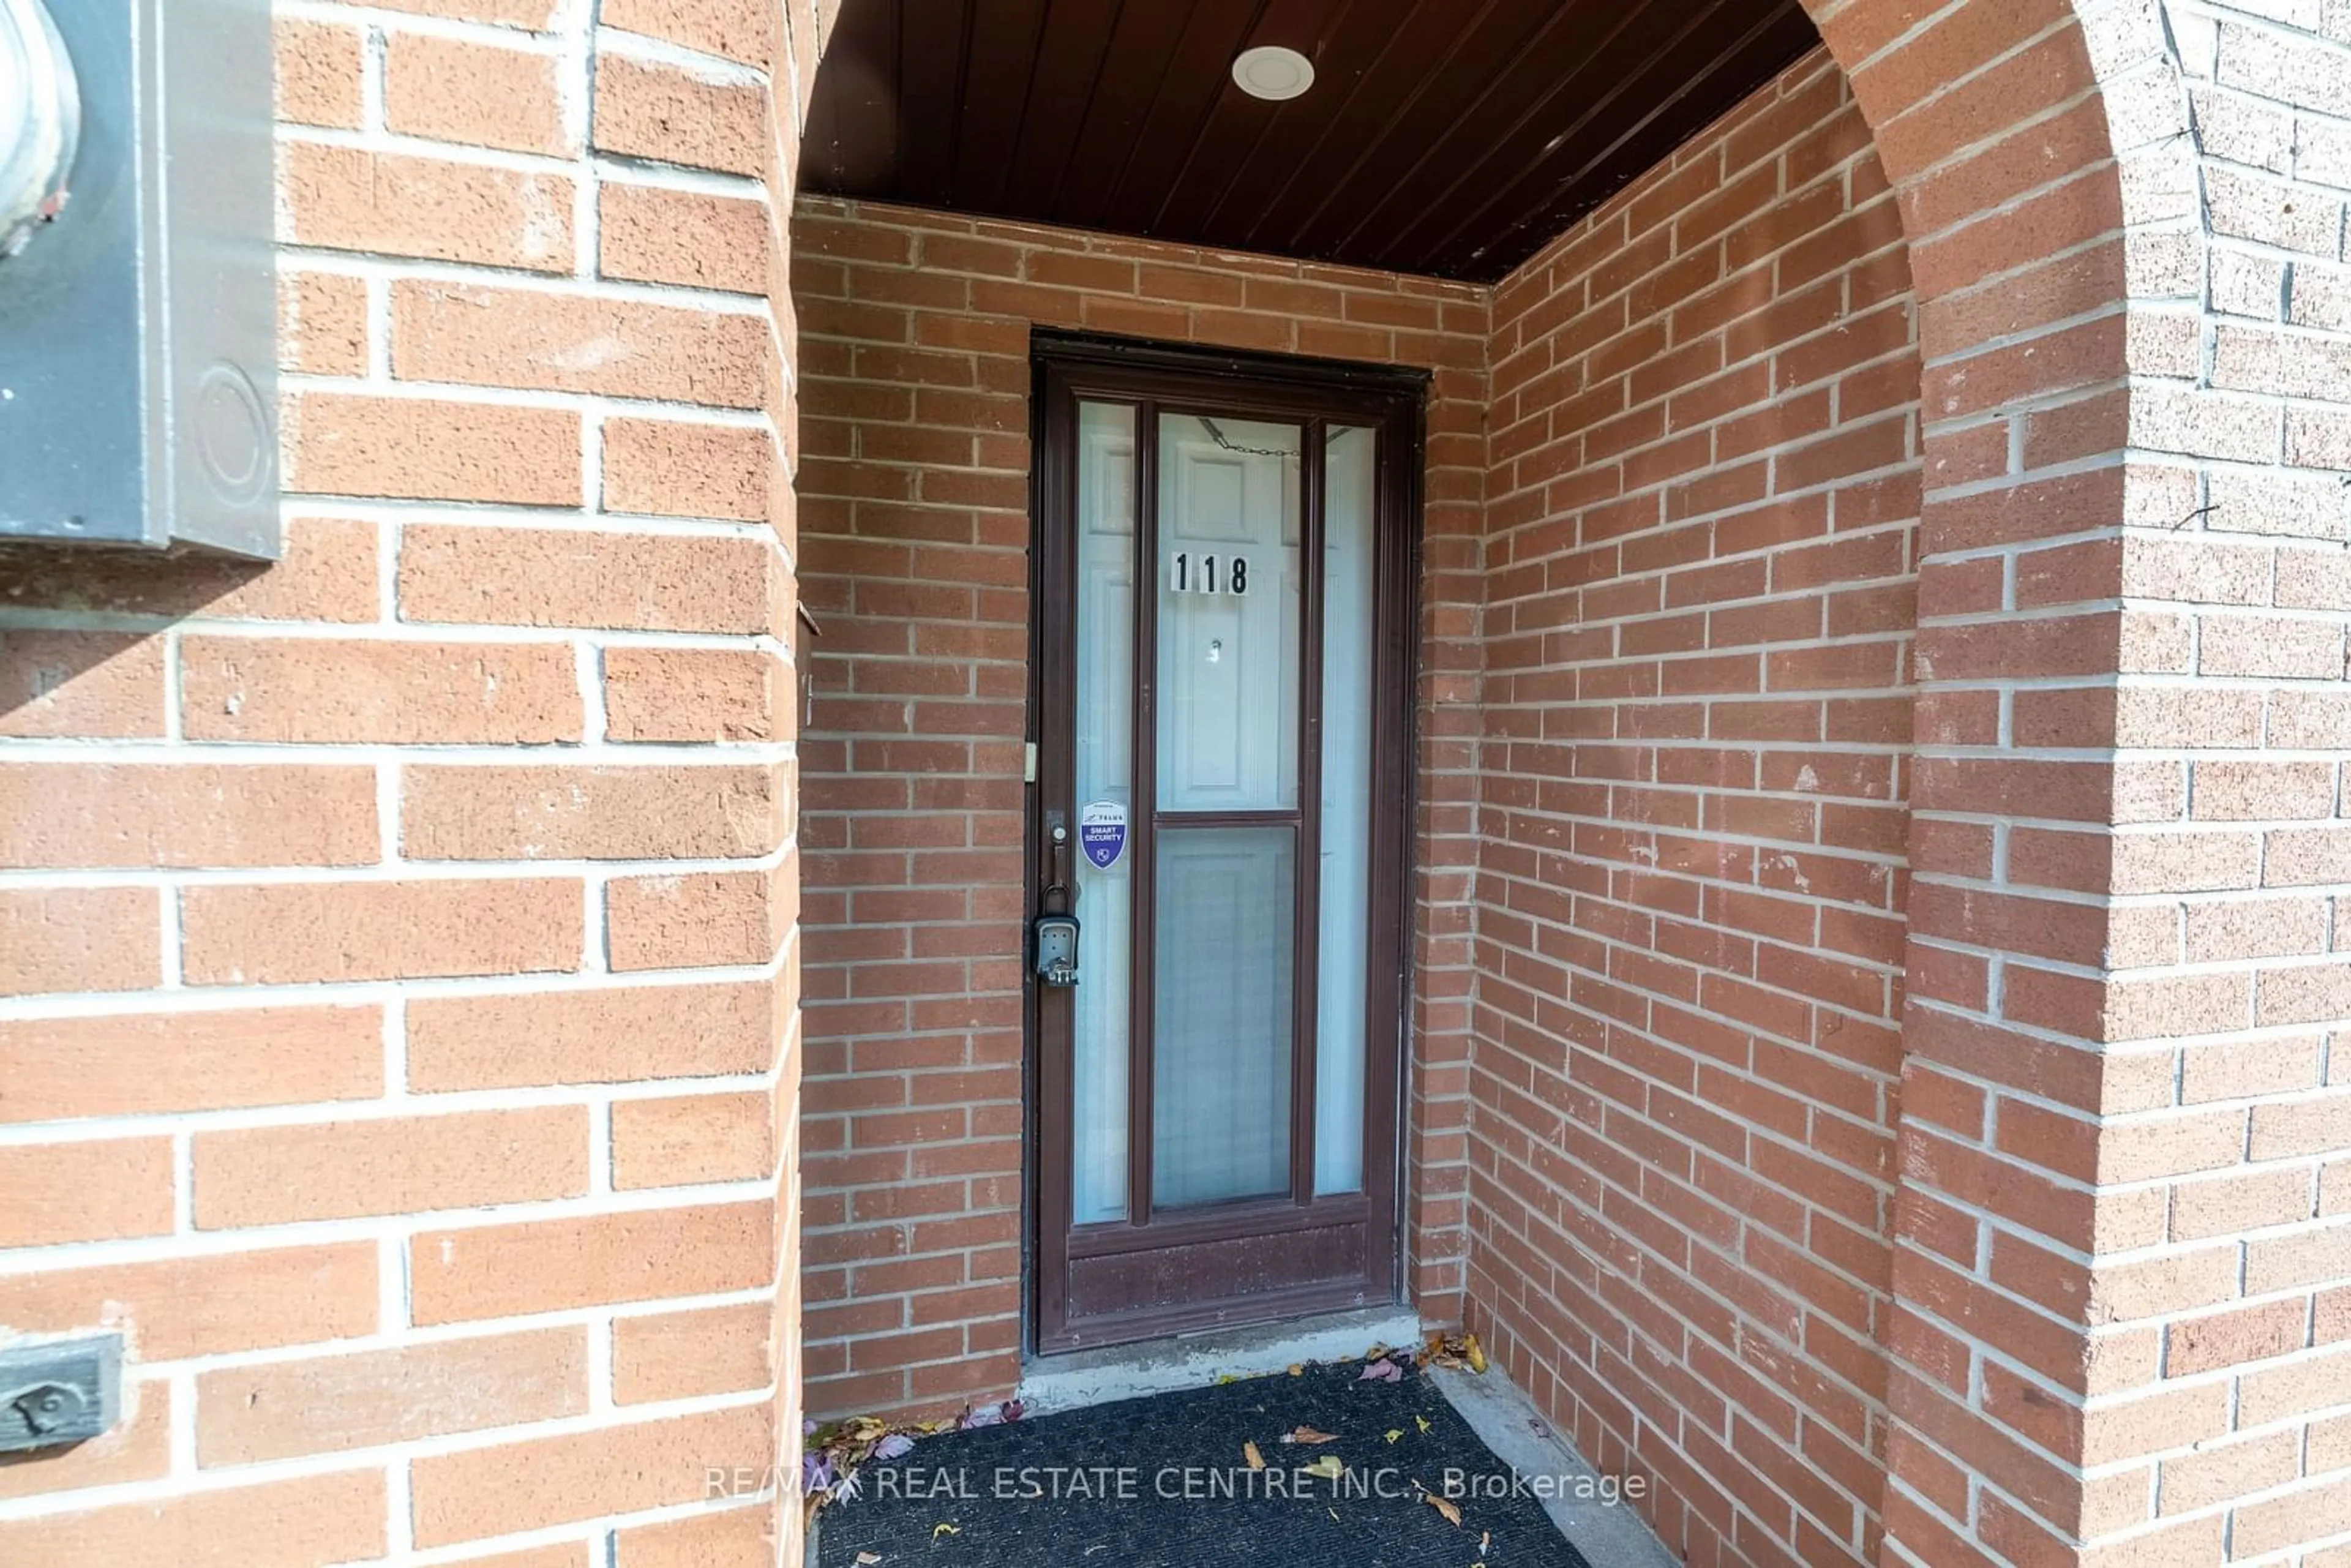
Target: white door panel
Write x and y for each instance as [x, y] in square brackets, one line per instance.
[1227, 660]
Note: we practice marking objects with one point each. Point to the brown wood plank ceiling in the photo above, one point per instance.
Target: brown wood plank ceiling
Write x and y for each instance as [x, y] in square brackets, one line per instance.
[1452, 138]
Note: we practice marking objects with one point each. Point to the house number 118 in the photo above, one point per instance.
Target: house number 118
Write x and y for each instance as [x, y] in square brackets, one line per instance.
[1190, 573]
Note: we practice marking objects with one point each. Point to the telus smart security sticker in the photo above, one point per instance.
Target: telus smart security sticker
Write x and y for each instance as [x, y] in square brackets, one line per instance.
[1102, 832]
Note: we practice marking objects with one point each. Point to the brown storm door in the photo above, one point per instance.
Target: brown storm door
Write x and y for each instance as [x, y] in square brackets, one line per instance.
[1225, 598]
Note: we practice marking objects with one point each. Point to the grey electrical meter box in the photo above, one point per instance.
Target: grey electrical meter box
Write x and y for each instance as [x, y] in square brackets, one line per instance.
[137, 311]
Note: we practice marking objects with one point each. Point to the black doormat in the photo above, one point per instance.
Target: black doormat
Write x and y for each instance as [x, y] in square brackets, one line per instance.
[1166, 1482]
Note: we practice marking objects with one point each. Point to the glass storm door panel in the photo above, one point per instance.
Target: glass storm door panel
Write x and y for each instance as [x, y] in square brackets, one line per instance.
[1229, 608]
[1225, 823]
[1350, 476]
[1105, 769]
[1221, 981]
[1221, 794]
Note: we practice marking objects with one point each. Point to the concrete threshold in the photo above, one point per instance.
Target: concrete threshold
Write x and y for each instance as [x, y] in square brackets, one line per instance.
[1194, 1361]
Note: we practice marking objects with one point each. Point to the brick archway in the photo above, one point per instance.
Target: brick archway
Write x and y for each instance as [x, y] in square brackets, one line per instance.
[2112, 1281]
[1727, 1358]
[2065, 1340]
[1998, 129]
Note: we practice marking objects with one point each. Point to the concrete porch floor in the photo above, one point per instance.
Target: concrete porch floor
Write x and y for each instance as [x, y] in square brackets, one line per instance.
[1611, 1534]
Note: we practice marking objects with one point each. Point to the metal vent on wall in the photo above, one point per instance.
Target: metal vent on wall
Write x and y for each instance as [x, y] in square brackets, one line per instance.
[137, 395]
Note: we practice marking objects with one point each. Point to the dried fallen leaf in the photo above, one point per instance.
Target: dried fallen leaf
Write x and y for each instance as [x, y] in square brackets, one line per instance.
[1329, 1466]
[1472, 1354]
[1424, 1422]
[1255, 1461]
[939, 1530]
[1444, 1506]
[1297, 1369]
[1393, 1433]
[1381, 1370]
[1309, 1435]
[866, 1558]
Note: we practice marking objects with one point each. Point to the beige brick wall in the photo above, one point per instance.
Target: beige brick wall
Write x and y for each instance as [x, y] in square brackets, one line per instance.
[398, 945]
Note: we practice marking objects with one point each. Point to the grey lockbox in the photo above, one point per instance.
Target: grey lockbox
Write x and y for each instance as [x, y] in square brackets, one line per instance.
[137, 395]
[57, 1391]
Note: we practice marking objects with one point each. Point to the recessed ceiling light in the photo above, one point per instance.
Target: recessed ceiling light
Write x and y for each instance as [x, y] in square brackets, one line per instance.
[1270, 71]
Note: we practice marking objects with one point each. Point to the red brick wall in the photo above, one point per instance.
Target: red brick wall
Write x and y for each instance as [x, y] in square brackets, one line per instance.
[1701, 518]
[292, 979]
[913, 507]
[398, 1031]
[270, 875]
[2119, 1331]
